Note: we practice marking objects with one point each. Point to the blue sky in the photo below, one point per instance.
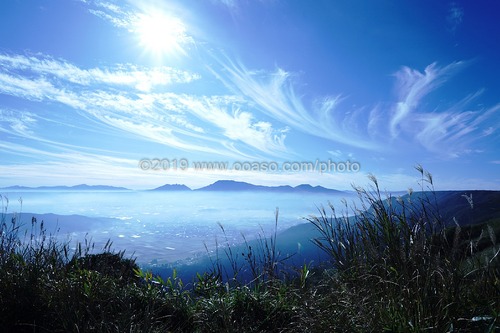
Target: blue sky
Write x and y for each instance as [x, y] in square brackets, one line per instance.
[88, 88]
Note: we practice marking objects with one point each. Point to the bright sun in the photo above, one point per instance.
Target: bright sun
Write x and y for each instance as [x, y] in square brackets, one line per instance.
[161, 34]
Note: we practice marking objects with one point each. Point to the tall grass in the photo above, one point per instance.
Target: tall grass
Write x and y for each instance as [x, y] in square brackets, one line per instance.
[399, 269]
[252, 262]
[395, 265]
[46, 286]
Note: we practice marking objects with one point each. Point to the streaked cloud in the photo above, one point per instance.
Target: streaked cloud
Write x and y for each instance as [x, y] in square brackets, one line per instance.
[455, 130]
[181, 121]
[155, 27]
[178, 88]
[367, 127]
[110, 12]
[72, 166]
[338, 154]
[235, 5]
[228, 3]
[16, 122]
[413, 85]
[274, 94]
[230, 123]
[447, 132]
[455, 16]
[143, 79]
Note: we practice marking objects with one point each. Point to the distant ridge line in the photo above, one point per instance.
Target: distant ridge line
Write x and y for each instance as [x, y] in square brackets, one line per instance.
[232, 185]
[75, 187]
[220, 185]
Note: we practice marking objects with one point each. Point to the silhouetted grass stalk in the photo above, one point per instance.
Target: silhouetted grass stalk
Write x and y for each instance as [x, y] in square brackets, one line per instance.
[395, 266]
[400, 266]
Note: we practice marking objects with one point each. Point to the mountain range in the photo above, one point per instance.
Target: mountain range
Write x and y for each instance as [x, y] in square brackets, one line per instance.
[81, 187]
[218, 186]
[231, 185]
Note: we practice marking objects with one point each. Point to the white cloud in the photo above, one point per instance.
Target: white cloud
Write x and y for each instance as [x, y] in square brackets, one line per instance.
[232, 125]
[340, 154]
[446, 132]
[143, 79]
[36, 90]
[454, 130]
[413, 85]
[25, 88]
[274, 95]
[16, 122]
[176, 120]
[455, 16]
[72, 166]
[449, 132]
[110, 12]
[235, 6]
[228, 3]
[237, 125]
[336, 153]
[116, 21]
[156, 25]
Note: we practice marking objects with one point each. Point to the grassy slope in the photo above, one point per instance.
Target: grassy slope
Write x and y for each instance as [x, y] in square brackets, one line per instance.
[382, 272]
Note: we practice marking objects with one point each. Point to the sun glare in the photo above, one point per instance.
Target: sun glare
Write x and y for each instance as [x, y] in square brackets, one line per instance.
[161, 34]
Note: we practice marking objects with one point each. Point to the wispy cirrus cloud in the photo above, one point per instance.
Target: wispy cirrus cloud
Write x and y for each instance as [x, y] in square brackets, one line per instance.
[447, 132]
[110, 12]
[235, 5]
[236, 124]
[455, 16]
[143, 79]
[73, 164]
[37, 89]
[456, 130]
[16, 122]
[128, 98]
[32, 89]
[64, 165]
[232, 5]
[412, 86]
[181, 121]
[274, 94]
[24, 126]
[142, 17]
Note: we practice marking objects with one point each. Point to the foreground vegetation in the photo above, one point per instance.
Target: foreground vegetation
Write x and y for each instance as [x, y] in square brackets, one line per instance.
[396, 267]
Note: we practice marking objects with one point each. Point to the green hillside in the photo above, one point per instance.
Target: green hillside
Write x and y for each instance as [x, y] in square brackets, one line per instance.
[397, 266]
